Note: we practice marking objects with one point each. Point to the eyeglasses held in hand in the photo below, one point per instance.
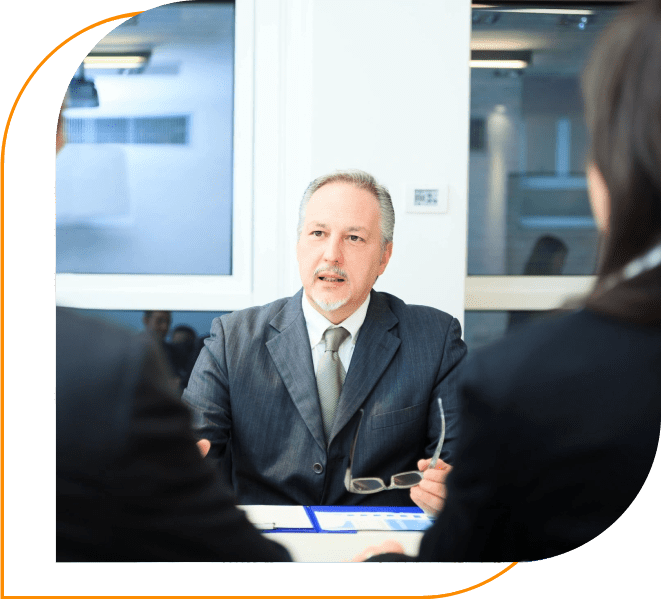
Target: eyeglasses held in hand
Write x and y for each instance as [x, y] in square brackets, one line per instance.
[403, 480]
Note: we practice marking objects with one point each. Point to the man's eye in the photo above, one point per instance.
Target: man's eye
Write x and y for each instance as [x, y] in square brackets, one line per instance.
[355, 238]
[317, 233]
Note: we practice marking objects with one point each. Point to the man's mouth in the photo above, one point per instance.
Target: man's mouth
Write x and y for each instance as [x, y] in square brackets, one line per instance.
[331, 275]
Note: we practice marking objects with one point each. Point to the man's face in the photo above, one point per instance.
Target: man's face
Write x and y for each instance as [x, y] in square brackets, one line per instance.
[158, 324]
[339, 252]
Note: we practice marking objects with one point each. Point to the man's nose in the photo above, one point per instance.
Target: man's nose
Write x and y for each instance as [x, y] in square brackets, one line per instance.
[333, 250]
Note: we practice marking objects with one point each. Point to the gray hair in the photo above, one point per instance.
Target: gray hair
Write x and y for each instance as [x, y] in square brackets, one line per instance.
[361, 180]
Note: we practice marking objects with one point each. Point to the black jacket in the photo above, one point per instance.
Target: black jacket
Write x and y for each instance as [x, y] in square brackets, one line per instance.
[560, 427]
[131, 485]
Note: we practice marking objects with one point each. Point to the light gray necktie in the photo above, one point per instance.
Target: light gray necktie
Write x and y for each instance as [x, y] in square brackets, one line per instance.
[330, 376]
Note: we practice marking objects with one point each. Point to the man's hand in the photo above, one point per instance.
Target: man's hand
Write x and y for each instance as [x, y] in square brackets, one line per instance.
[204, 446]
[430, 494]
[385, 547]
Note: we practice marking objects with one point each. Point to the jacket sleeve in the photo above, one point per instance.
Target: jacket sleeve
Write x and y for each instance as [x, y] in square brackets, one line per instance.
[207, 393]
[473, 519]
[446, 388]
[167, 502]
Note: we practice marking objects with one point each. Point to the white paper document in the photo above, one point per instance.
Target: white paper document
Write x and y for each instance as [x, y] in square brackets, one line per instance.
[273, 517]
[385, 520]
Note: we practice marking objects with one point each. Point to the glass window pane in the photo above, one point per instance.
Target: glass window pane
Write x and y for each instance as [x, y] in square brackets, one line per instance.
[180, 334]
[200, 322]
[529, 211]
[144, 184]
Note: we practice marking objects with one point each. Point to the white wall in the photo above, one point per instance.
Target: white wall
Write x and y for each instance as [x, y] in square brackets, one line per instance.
[381, 85]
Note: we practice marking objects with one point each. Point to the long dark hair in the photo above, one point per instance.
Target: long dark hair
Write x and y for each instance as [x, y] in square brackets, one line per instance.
[622, 93]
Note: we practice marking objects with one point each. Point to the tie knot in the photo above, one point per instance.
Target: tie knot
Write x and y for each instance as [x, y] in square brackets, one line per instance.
[334, 338]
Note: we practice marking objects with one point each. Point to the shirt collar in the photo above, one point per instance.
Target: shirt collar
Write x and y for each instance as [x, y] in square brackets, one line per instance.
[317, 323]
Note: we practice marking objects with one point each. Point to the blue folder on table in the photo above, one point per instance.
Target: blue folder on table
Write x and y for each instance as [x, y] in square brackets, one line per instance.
[336, 519]
[353, 518]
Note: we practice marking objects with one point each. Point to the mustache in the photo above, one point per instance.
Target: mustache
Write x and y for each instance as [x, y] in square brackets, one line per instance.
[334, 269]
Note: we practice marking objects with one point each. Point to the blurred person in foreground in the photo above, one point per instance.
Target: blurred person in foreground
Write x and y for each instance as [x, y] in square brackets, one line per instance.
[560, 421]
[131, 485]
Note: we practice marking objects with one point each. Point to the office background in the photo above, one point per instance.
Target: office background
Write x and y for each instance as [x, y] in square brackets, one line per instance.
[180, 190]
[58, 22]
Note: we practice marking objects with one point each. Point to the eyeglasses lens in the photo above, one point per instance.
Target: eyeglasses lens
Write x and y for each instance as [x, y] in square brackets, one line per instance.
[367, 484]
[407, 479]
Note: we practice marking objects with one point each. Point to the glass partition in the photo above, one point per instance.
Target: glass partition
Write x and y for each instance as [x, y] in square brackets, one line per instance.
[144, 184]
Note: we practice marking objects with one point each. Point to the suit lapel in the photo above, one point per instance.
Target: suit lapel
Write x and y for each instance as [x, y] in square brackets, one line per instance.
[373, 353]
[291, 354]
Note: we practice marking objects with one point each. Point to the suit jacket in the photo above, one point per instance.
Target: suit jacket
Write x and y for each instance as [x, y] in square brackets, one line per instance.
[560, 427]
[131, 485]
[254, 390]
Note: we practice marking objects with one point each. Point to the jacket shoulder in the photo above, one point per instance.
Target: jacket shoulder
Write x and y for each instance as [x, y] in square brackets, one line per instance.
[250, 321]
[414, 312]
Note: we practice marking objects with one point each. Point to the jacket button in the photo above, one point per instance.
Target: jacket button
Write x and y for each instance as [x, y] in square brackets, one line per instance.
[318, 468]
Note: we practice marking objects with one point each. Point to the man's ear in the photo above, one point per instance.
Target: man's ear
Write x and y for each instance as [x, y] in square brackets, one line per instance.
[385, 257]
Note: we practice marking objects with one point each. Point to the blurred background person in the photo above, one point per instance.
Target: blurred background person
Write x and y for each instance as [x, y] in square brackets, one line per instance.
[560, 424]
[547, 258]
[157, 323]
[184, 335]
[184, 351]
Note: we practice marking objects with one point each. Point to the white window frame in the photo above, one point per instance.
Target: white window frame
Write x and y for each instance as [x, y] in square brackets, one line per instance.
[502, 293]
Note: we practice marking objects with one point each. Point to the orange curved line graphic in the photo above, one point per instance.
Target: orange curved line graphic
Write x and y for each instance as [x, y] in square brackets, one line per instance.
[479, 584]
[2, 278]
[2, 310]
[126, 15]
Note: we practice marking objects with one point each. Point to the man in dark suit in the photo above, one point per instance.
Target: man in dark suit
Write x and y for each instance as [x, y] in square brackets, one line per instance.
[259, 387]
[131, 485]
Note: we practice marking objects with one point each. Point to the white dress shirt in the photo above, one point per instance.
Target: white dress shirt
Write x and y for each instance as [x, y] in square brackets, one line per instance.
[317, 325]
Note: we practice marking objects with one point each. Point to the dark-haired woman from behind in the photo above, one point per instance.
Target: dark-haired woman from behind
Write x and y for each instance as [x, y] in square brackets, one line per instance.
[561, 419]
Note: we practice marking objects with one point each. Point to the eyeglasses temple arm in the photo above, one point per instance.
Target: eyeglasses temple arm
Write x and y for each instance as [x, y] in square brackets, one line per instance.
[437, 453]
[347, 477]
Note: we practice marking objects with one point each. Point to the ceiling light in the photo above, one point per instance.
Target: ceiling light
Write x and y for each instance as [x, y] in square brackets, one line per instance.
[498, 64]
[548, 11]
[116, 61]
[81, 92]
[495, 59]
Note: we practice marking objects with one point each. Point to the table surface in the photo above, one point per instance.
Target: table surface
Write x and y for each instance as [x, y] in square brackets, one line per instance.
[321, 547]
[340, 547]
